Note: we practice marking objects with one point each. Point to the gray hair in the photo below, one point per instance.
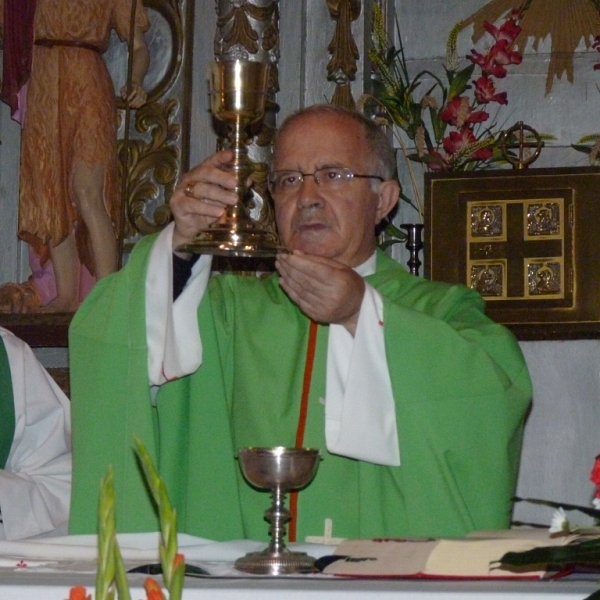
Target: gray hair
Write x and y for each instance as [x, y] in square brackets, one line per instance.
[382, 153]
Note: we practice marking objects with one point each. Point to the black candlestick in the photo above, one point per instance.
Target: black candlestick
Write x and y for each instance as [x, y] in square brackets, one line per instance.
[414, 243]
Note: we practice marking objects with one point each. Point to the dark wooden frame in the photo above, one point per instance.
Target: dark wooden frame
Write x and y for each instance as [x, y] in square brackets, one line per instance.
[528, 240]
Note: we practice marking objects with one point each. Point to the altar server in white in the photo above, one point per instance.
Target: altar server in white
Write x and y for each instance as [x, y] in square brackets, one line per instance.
[35, 445]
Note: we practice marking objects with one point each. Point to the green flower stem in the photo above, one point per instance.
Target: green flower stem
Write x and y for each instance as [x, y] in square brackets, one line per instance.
[168, 524]
[106, 538]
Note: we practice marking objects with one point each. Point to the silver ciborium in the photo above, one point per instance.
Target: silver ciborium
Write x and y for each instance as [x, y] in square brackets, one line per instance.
[238, 90]
[280, 470]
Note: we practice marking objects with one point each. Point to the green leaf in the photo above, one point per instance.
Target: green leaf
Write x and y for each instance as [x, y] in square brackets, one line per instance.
[586, 553]
[581, 148]
[460, 82]
[586, 510]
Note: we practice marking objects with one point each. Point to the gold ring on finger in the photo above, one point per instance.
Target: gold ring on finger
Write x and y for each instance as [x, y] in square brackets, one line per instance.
[189, 190]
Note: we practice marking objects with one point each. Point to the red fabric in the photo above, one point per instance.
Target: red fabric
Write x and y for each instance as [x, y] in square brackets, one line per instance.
[308, 369]
[18, 48]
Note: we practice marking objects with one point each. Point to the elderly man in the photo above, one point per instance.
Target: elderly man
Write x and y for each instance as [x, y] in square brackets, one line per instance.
[415, 398]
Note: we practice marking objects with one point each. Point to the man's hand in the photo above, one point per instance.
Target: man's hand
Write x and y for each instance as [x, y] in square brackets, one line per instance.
[202, 197]
[324, 289]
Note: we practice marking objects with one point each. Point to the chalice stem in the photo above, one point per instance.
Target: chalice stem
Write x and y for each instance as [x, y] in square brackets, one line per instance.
[278, 515]
[242, 167]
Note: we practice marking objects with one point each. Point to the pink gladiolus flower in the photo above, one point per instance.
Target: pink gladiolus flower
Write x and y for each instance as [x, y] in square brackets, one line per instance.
[434, 166]
[503, 55]
[459, 140]
[487, 64]
[595, 475]
[458, 113]
[485, 91]
[508, 31]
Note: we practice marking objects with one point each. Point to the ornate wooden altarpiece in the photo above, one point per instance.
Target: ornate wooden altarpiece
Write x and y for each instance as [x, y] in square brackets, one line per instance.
[526, 240]
[154, 140]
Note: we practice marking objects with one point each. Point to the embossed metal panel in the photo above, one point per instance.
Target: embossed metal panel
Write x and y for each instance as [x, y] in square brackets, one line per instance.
[525, 240]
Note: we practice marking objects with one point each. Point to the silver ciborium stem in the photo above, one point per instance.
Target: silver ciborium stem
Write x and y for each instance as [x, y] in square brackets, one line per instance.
[279, 516]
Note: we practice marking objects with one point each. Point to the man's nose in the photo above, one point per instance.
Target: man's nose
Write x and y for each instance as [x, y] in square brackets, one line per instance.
[309, 193]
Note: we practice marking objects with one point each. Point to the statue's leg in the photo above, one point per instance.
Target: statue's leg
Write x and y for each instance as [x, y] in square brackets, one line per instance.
[88, 189]
[66, 272]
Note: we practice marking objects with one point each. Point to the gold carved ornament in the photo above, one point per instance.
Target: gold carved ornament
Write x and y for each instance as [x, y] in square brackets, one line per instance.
[344, 53]
[152, 153]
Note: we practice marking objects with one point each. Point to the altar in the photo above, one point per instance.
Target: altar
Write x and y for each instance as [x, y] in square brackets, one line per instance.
[47, 568]
[55, 586]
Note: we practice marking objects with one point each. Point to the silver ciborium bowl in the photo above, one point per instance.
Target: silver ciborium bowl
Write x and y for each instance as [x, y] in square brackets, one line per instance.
[280, 470]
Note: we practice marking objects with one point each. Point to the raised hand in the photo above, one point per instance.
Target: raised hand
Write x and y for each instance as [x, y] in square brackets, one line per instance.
[202, 196]
[324, 289]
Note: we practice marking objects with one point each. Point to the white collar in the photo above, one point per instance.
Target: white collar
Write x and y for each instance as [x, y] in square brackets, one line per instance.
[368, 267]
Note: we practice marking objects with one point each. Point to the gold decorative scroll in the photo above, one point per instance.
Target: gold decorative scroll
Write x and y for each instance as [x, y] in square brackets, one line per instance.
[567, 22]
[156, 150]
[344, 52]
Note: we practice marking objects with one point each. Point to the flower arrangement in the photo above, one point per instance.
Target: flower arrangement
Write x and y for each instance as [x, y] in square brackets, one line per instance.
[111, 572]
[449, 124]
[584, 552]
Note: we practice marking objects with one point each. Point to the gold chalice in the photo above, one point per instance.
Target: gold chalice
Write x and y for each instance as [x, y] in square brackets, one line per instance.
[280, 470]
[238, 94]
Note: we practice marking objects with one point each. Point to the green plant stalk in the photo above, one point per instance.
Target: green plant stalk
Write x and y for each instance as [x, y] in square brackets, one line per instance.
[172, 570]
[105, 573]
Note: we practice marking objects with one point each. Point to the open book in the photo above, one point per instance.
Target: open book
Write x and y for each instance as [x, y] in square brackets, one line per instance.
[476, 556]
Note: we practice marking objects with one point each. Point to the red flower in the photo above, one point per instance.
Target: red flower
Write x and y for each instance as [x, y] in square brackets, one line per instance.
[459, 140]
[494, 61]
[153, 591]
[595, 475]
[178, 560]
[486, 92]
[79, 593]
[503, 55]
[508, 31]
[488, 64]
[458, 113]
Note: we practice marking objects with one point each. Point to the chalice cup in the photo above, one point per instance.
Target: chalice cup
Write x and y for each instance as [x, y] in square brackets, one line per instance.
[238, 96]
[280, 470]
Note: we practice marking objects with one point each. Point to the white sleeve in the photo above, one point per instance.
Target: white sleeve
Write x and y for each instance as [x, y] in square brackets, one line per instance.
[35, 486]
[174, 345]
[360, 414]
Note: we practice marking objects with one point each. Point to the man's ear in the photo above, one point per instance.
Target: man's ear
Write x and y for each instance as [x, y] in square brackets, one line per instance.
[389, 193]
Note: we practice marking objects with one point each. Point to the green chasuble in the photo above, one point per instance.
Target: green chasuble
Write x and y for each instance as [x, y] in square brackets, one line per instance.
[460, 384]
[7, 407]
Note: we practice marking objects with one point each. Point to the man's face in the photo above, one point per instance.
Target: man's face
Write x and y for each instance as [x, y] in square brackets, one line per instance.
[334, 223]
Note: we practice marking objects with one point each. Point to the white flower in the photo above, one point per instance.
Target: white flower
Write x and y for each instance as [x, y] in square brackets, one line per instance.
[559, 522]
[596, 503]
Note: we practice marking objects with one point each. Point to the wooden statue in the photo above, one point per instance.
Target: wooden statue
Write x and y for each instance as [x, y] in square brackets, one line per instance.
[69, 198]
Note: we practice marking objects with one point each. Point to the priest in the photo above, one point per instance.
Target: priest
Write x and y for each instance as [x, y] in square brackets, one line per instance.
[414, 397]
[35, 445]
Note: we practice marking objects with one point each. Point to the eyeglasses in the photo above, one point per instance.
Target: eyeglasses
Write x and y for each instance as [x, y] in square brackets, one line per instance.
[286, 182]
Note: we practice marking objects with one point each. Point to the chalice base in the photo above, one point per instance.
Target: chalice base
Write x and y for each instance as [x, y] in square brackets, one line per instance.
[225, 240]
[276, 563]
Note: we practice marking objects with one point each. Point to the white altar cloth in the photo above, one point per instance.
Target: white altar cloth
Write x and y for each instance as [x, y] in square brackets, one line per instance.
[46, 569]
